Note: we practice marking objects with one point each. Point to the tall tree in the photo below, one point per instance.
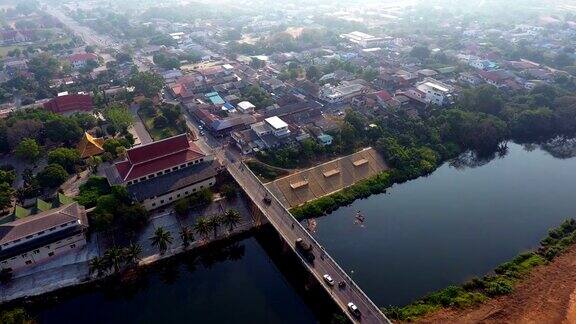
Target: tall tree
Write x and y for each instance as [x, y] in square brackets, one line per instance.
[52, 176]
[6, 194]
[231, 218]
[132, 254]
[147, 83]
[114, 258]
[161, 239]
[28, 150]
[66, 157]
[187, 236]
[214, 223]
[202, 226]
[99, 266]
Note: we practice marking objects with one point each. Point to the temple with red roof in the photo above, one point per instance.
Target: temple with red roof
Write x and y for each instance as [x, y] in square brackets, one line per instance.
[70, 103]
[164, 171]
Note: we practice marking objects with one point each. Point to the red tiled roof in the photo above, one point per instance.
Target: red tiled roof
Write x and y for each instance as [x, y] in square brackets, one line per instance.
[68, 103]
[157, 156]
[383, 95]
[82, 57]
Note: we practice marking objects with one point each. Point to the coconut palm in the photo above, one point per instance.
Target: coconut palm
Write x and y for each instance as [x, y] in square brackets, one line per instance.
[231, 218]
[202, 226]
[161, 239]
[187, 236]
[214, 223]
[99, 266]
[114, 258]
[132, 253]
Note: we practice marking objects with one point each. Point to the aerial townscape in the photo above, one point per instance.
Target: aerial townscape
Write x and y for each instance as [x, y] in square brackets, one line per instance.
[250, 161]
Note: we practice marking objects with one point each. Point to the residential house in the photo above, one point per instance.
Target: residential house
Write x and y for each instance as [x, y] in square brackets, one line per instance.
[341, 93]
[497, 78]
[436, 92]
[269, 133]
[80, 60]
[245, 107]
[362, 39]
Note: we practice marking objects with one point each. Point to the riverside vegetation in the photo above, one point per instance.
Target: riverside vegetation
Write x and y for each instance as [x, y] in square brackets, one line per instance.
[481, 121]
[501, 282]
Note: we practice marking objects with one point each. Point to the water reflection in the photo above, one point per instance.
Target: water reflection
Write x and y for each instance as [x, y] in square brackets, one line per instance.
[239, 276]
[473, 159]
[561, 147]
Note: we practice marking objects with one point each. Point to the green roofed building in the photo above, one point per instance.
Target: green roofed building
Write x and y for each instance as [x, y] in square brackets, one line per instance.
[64, 200]
[42, 205]
[21, 212]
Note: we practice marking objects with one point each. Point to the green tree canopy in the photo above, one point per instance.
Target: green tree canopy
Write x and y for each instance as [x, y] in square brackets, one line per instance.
[119, 116]
[28, 150]
[147, 83]
[52, 176]
[65, 157]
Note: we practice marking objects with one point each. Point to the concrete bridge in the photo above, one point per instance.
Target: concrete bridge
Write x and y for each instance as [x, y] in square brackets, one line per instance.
[290, 230]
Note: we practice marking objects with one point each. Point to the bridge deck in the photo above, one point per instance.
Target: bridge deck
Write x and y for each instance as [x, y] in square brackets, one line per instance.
[290, 229]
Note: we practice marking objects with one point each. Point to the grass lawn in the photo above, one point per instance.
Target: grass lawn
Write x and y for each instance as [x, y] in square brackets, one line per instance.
[157, 134]
[265, 172]
[5, 49]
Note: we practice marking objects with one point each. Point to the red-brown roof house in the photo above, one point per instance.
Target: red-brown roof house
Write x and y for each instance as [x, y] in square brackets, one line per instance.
[79, 60]
[70, 103]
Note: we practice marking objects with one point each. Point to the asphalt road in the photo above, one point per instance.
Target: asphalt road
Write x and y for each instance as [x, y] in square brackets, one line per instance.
[291, 229]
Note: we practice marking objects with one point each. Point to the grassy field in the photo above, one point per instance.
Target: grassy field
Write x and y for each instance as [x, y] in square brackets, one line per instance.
[265, 172]
[157, 134]
[5, 49]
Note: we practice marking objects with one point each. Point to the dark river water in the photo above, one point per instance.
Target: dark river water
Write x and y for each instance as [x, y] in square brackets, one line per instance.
[455, 224]
[420, 236]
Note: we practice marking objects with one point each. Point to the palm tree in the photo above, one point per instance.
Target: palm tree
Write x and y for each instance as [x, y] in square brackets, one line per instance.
[114, 257]
[214, 222]
[98, 265]
[132, 253]
[161, 239]
[231, 218]
[202, 226]
[187, 236]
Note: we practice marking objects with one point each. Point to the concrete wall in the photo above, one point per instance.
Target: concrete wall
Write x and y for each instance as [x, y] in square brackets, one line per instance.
[168, 198]
[49, 251]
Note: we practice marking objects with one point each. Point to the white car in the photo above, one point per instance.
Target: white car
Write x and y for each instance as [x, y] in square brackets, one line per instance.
[328, 279]
[353, 309]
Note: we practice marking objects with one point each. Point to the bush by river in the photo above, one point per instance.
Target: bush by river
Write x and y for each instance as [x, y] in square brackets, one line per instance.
[501, 282]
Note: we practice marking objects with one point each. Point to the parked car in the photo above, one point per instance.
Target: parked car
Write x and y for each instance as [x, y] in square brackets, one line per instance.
[328, 280]
[354, 310]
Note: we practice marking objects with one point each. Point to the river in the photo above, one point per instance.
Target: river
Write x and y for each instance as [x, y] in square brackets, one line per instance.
[420, 236]
[452, 225]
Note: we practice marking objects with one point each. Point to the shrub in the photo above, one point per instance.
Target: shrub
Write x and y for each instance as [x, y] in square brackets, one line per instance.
[499, 286]
[182, 206]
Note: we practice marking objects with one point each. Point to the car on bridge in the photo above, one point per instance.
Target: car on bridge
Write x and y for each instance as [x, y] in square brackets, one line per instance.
[305, 249]
[354, 310]
[328, 280]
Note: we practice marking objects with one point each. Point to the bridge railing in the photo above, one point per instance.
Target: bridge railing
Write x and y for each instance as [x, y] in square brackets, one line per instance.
[311, 238]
